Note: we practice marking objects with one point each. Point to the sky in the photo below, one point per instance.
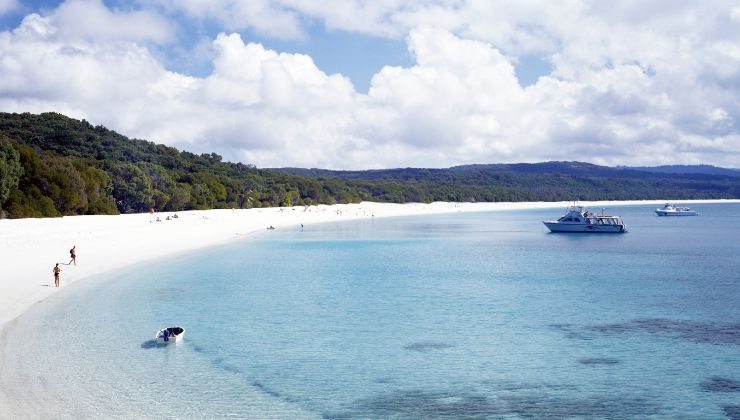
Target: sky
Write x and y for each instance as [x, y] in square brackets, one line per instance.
[359, 84]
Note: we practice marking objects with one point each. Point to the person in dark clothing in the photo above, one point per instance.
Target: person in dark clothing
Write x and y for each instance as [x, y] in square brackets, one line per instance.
[56, 270]
[73, 255]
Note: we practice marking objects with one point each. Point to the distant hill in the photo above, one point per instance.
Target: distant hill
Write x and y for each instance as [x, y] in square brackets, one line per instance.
[687, 169]
[575, 169]
[53, 165]
[547, 181]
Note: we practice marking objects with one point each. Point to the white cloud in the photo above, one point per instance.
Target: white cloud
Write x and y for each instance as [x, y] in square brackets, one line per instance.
[639, 88]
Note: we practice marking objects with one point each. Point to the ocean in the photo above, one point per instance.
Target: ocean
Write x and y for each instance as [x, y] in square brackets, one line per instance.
[465, 315]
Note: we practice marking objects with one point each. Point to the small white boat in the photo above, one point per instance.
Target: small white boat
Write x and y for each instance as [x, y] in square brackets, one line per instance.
[578, 220]
[671, 210]
[170, 335]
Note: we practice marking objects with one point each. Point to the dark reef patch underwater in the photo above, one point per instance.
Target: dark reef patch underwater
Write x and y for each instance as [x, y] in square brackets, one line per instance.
[598, 361]
[424, 346]
[732, 411]
[418, 404]
[719, 384]
[695, 331]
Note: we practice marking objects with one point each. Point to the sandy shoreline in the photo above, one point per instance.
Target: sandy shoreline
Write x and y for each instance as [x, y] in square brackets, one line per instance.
[31, 247]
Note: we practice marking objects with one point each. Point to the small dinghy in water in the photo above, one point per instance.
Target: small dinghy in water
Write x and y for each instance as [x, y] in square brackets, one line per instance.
[169, 335]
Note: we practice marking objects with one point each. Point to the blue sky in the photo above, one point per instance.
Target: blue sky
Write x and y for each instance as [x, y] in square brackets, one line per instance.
[359, 84]
[357, 56]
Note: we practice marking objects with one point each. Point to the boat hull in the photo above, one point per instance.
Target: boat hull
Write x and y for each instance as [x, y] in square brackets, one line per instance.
[173, 338]
[557, 227]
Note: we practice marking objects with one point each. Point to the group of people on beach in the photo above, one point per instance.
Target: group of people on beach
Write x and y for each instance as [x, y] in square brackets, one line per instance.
[174, 216]
[151, 211]
[57, 270]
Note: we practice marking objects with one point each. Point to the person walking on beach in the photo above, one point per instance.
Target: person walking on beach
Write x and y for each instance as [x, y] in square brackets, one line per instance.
[56, 270]
[73, 255]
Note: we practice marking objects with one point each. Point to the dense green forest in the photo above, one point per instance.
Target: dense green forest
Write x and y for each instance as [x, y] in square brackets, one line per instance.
[52, 165]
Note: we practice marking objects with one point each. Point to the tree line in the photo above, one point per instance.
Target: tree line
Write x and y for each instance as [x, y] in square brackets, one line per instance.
[52, 165]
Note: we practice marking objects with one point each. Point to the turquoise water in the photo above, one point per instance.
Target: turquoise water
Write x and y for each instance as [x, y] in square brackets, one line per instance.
[467, 315]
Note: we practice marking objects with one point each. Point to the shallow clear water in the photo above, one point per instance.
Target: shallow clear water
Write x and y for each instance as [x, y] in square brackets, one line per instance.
[467, 315]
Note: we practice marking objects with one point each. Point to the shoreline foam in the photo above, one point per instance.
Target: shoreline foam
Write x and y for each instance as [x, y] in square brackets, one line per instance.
[30, 247]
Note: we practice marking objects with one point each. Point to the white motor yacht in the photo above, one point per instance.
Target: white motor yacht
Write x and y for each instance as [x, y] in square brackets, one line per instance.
[579, 220]
[671, 210]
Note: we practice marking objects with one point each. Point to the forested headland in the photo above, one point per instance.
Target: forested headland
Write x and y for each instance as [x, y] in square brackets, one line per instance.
[52, 165]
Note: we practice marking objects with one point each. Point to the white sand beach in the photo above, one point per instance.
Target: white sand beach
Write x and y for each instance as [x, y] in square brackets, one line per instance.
[31, 247]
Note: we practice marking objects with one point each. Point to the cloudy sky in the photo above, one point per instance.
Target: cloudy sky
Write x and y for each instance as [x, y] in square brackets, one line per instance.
[356, 84]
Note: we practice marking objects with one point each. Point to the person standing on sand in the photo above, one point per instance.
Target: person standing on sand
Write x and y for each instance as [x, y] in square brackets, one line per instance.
[73, 255]
[56, 270]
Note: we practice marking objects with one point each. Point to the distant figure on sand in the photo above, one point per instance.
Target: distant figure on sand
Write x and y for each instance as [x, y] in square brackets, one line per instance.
[72, 255]
[56, 270]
